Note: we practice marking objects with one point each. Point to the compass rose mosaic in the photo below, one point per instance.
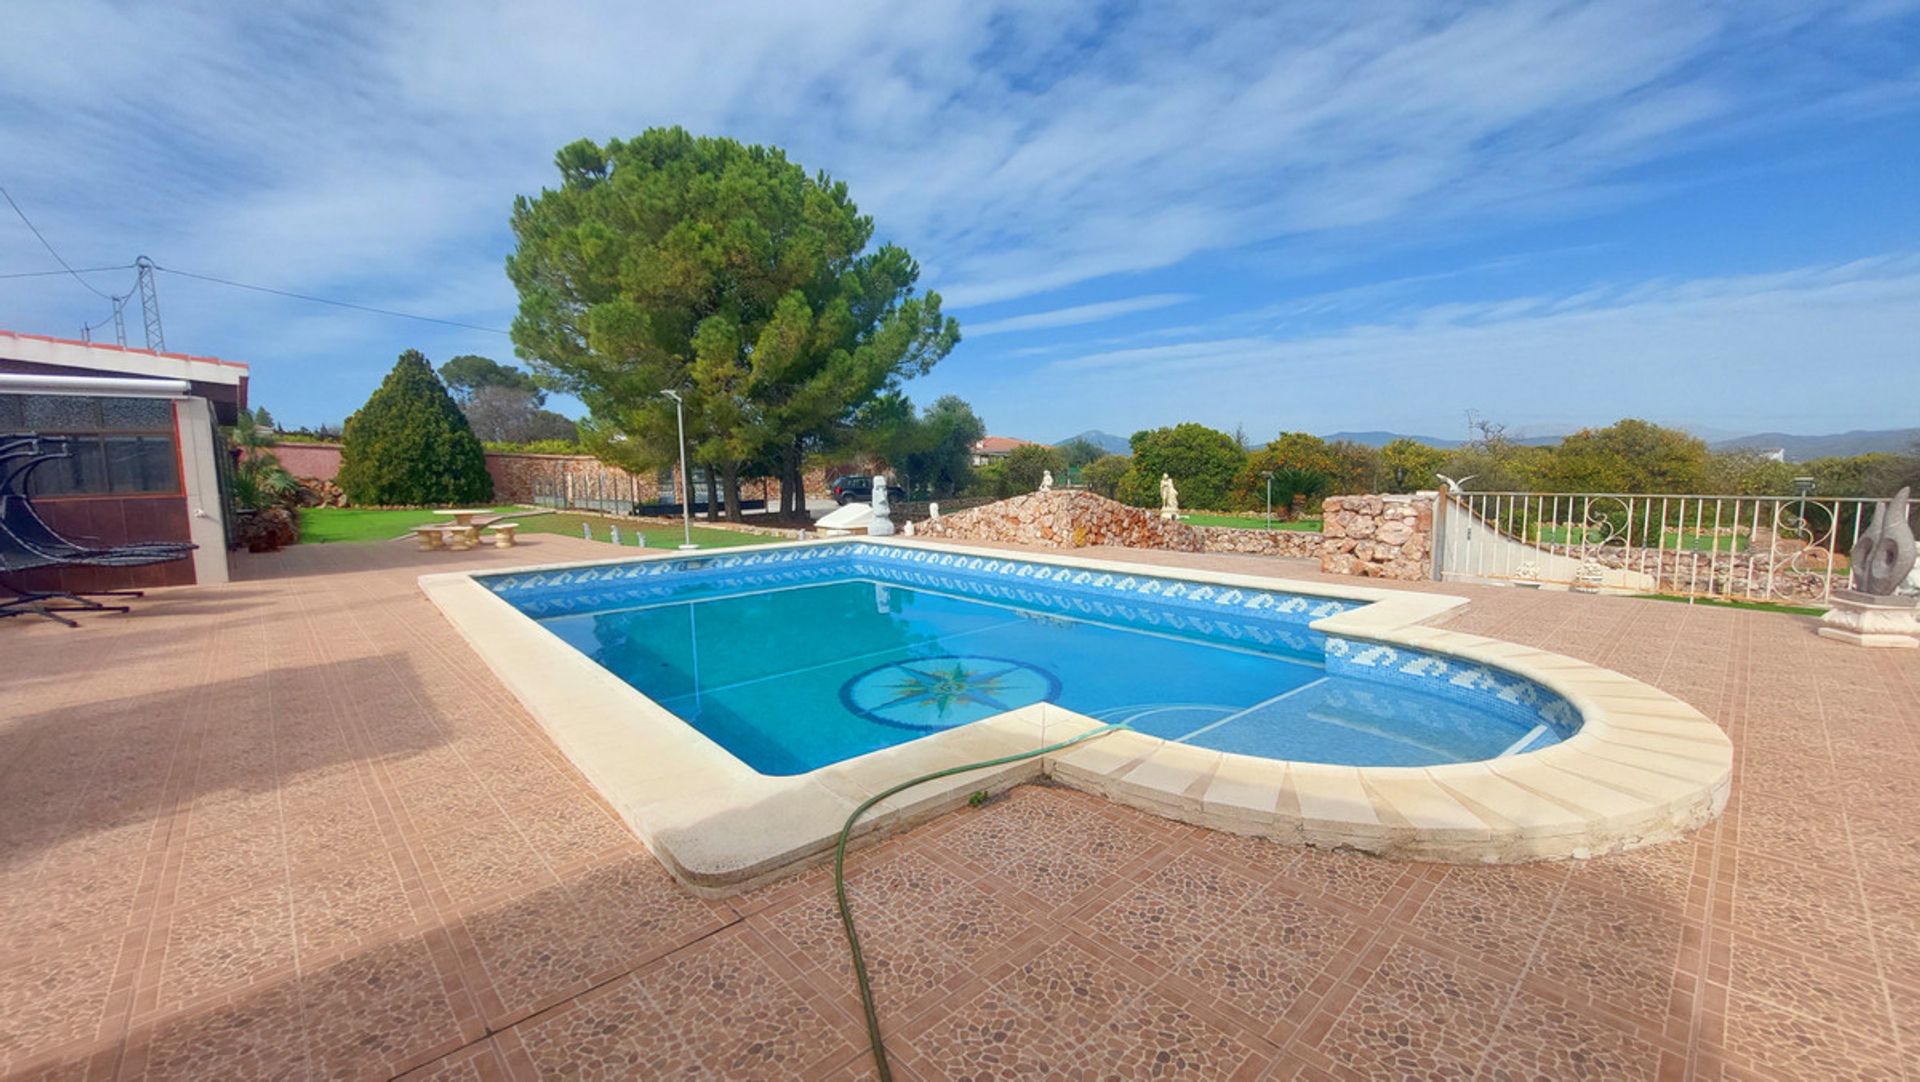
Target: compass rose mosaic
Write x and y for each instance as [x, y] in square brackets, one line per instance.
[932, 693]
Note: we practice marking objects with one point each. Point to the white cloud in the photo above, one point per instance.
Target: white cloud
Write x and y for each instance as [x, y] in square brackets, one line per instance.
[1761, 346]
[373, 151]
[1077, 314]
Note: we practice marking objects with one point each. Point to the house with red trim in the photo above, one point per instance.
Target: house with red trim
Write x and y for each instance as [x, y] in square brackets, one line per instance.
[148, 461]
[993, 448]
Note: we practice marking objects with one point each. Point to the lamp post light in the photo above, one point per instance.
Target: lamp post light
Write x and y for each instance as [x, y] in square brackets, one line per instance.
[1268, 474]
[686, 479]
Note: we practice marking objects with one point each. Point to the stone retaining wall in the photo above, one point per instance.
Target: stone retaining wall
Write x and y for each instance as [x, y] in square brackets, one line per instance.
[1387, 537]
[1293, 544]
[1064, 519]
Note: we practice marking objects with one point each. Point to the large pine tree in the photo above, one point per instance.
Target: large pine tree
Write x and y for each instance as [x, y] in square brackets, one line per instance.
[725, 273]
[411, 445]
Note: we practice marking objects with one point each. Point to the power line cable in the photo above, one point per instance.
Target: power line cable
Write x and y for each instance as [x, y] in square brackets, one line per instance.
[324, 300]
[44, 243]
[53, 273]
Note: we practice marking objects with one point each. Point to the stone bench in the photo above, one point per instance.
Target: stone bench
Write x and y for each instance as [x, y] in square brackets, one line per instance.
[431, 538]
[503, 534]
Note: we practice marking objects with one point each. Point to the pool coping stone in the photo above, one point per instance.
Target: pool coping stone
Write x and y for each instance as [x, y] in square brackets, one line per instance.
[1643, 767]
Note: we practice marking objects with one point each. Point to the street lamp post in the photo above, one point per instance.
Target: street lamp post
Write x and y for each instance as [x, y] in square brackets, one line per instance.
[686, 479]
[1268, 474]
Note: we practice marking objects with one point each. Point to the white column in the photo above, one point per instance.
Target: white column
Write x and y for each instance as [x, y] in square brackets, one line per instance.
[200, 480]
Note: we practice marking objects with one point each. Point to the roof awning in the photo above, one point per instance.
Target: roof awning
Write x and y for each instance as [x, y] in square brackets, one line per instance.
[114, 386]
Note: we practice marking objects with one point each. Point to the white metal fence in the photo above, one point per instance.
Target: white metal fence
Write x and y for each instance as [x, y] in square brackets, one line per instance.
[1783, 549]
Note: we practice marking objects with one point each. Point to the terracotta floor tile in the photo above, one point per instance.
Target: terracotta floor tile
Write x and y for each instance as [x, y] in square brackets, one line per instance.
[226, 943]
[55, 999]
[1355, 878]
[537, 949]
[261, 1035]
[1895, 916]
[639, 907]
[1791, 904]
[439, 866]
[244, 858]
[354, 901]
[1498, 916]
[1417, 1014]
[377, 1013]
[1808, 986]
[725, 1011]
[477, 1062]
[1792, 1045]
[595, 1036]
[1542, 1039]
[1262, 962]
[485, 859]
[1155, 1037]
[72, 899]
[572, 828]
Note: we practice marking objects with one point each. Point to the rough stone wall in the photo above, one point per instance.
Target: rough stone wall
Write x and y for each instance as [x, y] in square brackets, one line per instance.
[1371, 536]
[1293, 544]
[1064, 519]
[1386, 537]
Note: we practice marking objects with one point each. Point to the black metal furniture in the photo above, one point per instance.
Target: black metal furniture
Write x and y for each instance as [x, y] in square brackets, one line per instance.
[28, 543]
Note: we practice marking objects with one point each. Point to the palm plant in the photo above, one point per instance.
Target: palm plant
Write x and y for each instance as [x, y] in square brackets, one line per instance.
[259, 480]
[1294, 488]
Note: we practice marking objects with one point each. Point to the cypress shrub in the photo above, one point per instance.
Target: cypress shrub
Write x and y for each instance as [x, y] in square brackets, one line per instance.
[410, 444]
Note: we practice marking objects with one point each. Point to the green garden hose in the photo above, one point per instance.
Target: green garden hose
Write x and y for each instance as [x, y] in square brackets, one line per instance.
[840, 876]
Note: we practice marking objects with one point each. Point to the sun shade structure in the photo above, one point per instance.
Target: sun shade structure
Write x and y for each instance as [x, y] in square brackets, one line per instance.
[145, 461]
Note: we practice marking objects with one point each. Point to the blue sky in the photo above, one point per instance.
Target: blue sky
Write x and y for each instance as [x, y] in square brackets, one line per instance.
[1292, 216]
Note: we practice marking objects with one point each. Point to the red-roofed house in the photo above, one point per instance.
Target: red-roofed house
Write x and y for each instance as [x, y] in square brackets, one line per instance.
[995, 447]
[148, 461]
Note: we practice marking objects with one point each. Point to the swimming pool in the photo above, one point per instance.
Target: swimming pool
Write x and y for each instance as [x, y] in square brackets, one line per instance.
[792, 664]
[734, 708]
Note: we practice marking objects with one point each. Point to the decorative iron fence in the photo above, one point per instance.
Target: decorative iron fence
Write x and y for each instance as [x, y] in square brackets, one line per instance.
[614, 492]
[1783, 549]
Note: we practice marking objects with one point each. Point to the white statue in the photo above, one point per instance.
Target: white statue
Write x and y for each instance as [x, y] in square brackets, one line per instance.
[908, 528]
[1169, 498]
[1046, 480]
[882, 524]
[933, 512]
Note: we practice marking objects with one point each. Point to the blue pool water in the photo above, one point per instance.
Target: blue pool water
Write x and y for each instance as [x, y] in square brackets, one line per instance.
[794, 665]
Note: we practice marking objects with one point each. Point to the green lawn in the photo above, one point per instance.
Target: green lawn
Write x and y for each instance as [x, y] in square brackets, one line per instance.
[321, 525]
[1685, 541]
[658, 537]
[1249, 522]
[1755, 606]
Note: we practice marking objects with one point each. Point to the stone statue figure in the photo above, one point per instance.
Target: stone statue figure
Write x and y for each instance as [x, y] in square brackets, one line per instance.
[1169, 498]
[1046, 480]
[1883, 555]
[1875, 612]
[882, 525]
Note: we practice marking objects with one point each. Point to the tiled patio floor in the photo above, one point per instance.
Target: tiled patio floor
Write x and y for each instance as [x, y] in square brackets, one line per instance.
[294, 828]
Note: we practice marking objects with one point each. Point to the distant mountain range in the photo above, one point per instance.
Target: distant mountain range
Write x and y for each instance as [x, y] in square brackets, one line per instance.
[1800, 448]
[1797, 448]
[1381, 439]
[1106, 441]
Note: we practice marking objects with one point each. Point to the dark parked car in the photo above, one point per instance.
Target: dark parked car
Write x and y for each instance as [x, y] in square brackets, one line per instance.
[858, 488]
